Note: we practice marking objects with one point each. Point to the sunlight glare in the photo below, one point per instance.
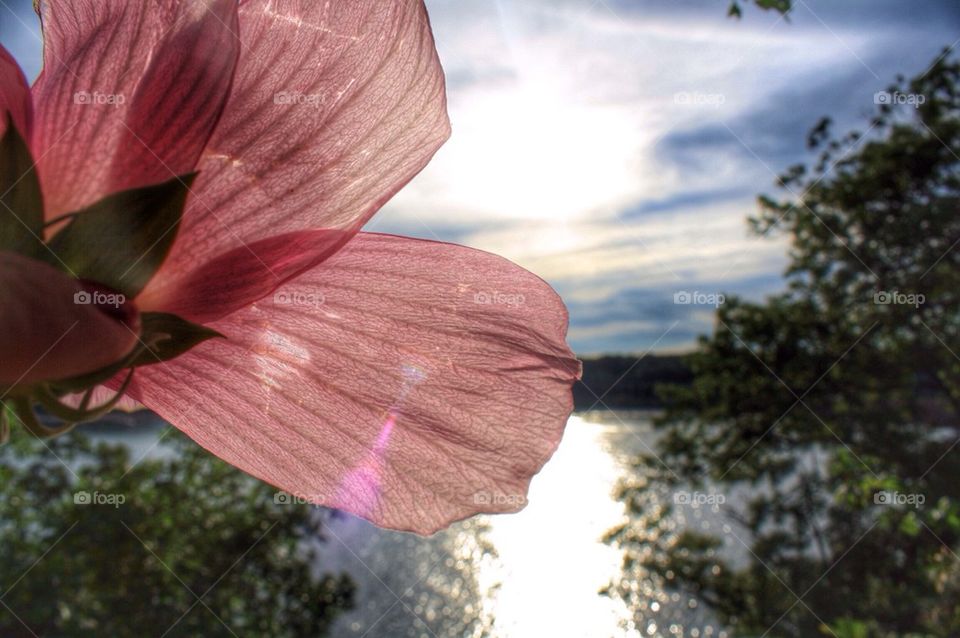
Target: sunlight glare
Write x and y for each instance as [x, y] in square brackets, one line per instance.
[545, 589]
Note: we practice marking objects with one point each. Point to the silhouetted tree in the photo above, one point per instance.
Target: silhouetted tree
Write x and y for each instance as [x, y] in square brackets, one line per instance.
[837, 403]
[93, 545]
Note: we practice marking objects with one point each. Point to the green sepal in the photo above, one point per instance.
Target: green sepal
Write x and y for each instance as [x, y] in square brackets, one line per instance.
[89, 380]
[23, 413]
[121, 241]
[162, 337]
[21, 201]
[167, 336]
[51, 403]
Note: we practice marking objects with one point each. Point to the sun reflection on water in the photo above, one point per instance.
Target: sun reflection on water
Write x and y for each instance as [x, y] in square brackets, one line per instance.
[552, 561]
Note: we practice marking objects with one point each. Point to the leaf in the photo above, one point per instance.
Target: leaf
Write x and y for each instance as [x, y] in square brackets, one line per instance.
[21, 201]
[121, 241]
[910, 524]
[783, 6]
[168, 336]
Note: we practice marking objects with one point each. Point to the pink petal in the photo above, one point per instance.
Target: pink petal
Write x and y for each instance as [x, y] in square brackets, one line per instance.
[14, 96]
[382, 383]
[335, 107]
[45, 334]
[233, 280]
[116, 71]
[181, 96]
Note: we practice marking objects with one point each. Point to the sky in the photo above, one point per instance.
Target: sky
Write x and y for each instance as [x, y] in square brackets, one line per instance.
[616, 147]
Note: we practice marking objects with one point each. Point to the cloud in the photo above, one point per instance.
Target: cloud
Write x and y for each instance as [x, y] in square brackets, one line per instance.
[662, 316]
[557, 108]
[615, 147]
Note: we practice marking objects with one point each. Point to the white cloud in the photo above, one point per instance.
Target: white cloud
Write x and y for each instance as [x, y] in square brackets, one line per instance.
[591, 259]
[557, 107]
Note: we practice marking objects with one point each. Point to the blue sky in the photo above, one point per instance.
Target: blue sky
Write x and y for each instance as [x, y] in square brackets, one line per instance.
[615, 147]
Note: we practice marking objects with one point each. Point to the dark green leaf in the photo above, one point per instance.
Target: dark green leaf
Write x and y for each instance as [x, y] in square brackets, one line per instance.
[168, 336]
[21, 202]
[783, 6]
[122, 240]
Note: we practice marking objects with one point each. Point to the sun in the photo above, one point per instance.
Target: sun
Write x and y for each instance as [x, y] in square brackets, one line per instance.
[527, 151]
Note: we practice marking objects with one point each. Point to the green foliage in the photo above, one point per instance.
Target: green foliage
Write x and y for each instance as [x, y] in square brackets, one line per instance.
[827, 402]
[124, 549]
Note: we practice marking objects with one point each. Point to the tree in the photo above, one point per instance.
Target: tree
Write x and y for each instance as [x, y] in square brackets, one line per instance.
[122, 549]
[836, 404]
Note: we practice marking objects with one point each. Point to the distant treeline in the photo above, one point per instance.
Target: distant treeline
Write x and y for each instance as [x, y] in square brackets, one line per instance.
[625, 382]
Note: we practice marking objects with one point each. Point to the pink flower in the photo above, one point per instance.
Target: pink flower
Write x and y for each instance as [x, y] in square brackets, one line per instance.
[413, 383]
